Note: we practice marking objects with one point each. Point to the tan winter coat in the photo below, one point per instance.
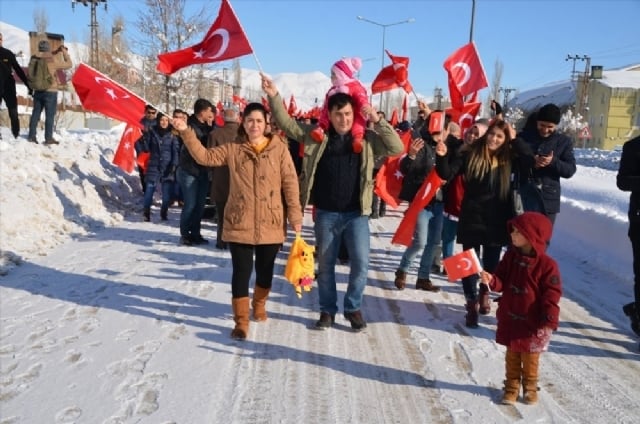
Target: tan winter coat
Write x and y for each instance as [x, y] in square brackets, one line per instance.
[258, 186]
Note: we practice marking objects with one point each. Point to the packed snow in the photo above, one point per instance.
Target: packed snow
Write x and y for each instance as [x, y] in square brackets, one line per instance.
[104, 318]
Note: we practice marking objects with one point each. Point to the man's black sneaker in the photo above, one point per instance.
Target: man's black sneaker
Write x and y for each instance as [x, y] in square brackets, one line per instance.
[200, 240]
[356, 320]
[326, 321]
[186, 241]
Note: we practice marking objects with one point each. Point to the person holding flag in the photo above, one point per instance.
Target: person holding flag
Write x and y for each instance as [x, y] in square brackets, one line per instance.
[416, 166]
[487, 166]
[338, 182]
[529, 309]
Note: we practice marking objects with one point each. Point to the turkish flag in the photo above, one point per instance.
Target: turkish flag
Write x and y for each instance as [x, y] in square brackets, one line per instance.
[462, 265]
[394, 117]
[125, 153]
[389, 178]
[142, 160]
[457, 99]
[265, 103]
[293, 107]
[464, 117]
[100, 94]
[393, 76]
[465, 70]
[428, 189]
[224, 40]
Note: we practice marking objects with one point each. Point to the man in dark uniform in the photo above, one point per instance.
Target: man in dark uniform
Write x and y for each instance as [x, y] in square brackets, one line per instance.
[8, 64]
[628, 179]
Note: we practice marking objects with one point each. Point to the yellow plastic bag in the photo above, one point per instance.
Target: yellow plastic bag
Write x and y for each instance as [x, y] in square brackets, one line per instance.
[300, 266]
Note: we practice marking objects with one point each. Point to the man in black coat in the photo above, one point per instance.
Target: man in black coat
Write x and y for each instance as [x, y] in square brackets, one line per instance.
[628, 179]
[553, 154]
[9, 64]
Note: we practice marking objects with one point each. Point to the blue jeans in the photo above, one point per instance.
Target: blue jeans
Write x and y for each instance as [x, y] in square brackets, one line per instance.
[449, 230]
[330, 229]
[490, 258]
[167, 191]
[46, 100]
[194, 192]
[426, 237]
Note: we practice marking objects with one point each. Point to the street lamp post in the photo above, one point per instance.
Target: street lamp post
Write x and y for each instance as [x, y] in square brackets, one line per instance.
[384, 31]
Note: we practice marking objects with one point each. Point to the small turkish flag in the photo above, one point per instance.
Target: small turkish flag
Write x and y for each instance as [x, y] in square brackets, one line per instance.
[462, 265]
[428, 189]
[389, 178]
[466, 116]
[124, 156]
[436, 122]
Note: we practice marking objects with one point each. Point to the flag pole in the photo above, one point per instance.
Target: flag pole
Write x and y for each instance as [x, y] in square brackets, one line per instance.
[253, 52]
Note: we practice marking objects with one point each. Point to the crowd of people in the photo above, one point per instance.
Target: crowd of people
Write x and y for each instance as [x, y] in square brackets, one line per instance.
[263, 167]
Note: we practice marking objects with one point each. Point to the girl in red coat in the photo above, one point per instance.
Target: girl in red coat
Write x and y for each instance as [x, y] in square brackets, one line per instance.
[528, 310]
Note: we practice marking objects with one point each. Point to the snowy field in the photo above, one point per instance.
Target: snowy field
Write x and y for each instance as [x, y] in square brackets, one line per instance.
[106, 319]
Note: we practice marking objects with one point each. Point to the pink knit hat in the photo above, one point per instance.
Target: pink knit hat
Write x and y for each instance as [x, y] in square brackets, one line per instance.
[345, 69]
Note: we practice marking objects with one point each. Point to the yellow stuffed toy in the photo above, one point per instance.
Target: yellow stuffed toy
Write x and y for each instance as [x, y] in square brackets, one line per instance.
[300, 265]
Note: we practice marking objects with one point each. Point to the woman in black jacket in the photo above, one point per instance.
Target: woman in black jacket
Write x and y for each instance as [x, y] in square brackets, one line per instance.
[487, 167]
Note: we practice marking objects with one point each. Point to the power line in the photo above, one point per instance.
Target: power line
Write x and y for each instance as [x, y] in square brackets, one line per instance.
[94, 49]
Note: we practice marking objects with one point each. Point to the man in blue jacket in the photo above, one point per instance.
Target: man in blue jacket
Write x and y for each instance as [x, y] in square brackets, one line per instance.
[628, 179]
[554, 157]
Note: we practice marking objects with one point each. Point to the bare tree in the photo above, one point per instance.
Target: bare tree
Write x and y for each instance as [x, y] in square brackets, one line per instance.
[164, 27]
[40, 20]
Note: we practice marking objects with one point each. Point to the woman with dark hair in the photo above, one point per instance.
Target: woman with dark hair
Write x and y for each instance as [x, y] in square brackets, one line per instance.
[162, 146]
[263, 187]
[487, 167]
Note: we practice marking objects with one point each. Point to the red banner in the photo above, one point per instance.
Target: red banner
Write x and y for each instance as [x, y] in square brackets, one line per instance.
[224, 40]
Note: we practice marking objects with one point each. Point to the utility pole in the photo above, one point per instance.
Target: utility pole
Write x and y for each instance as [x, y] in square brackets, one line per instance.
[93, 51]
[584, 92]
[575, 57]
[506, 92]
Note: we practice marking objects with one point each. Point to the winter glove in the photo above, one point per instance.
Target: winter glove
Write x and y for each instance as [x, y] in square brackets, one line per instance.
[30, 91]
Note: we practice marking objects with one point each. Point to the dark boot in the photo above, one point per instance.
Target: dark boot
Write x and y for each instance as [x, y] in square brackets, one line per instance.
[471, 319]
[484, 300]
[631, 311]
[513, 372]
[240, 307]
[163, 214]
[530, 377]
[401, 279]
[258, 303]
[146, 214]
[426, 284]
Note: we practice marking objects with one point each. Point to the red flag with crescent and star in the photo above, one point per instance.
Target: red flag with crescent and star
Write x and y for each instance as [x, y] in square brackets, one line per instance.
[224, 40]
[100, 94]
[393, 76]
[464, 117]
[465, 71]
[428, 189]
[462, 265]
[389, 177]
[124, 157]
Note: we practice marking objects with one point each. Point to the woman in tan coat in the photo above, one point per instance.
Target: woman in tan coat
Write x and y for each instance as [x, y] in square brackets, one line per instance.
[262, 176]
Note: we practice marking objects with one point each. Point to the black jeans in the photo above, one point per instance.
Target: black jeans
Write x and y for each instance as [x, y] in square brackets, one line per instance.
[242, 262]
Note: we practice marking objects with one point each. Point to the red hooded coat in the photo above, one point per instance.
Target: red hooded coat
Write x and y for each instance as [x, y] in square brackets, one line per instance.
[531, 288]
